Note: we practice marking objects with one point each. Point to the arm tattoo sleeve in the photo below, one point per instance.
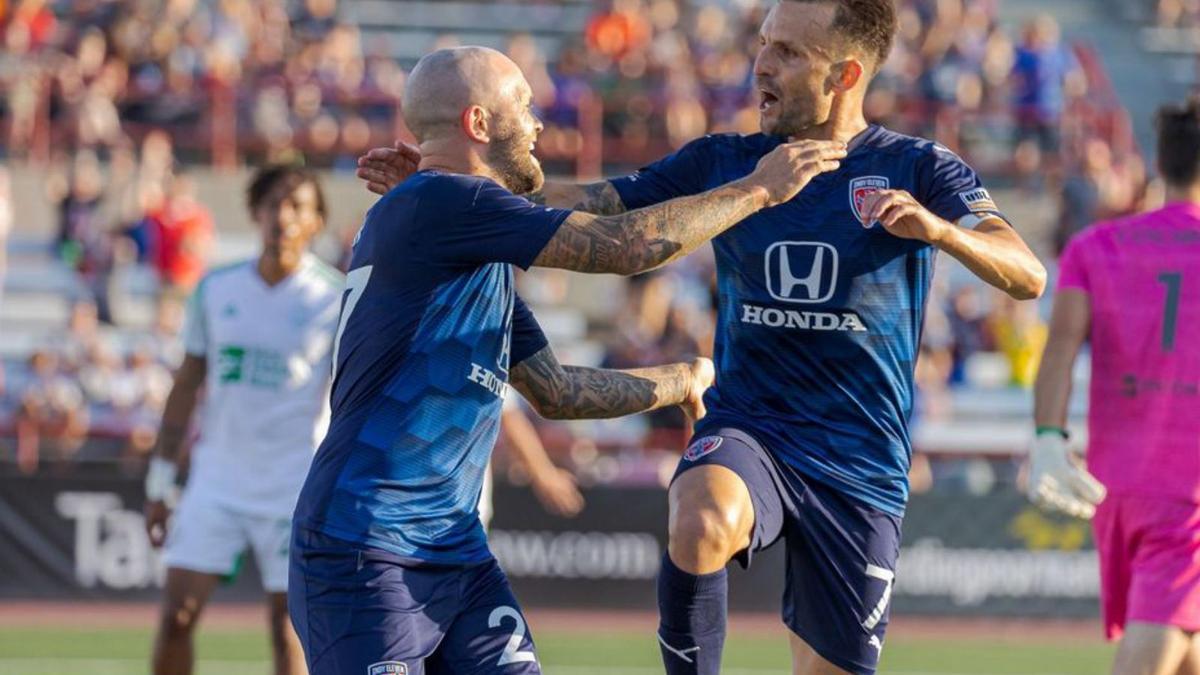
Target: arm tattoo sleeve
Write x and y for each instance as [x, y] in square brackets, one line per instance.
[599, 198]
[572, 392]
[637, 241]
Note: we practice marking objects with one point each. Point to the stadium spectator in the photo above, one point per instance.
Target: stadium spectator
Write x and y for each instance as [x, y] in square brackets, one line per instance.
[52, 420]
[182, 232]
[1045, 75]
[6, 222]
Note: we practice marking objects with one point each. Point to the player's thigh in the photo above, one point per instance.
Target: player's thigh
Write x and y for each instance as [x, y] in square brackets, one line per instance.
[490, 635]
[1191, 661]
[359, 612]
[841, 561]
[204, 537]
[185, 595]
[806, 660]
[270, 539]
[726, 488]
[1151, 649]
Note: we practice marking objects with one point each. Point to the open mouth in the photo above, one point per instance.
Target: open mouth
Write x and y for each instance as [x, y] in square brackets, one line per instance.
[768, 100]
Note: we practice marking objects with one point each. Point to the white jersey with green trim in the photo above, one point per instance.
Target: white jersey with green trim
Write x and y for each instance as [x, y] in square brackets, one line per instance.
[266, 406]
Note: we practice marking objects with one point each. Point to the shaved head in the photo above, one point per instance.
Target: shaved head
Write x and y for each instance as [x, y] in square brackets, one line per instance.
[474, 102]
[446, 82]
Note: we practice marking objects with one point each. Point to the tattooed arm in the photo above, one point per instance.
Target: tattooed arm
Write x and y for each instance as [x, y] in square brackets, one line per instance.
[573, 392]
[637, 241]
[599, 198]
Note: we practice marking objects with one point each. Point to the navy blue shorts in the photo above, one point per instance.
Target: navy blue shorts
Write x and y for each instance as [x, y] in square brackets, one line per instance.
[365, 612]
[841, 554]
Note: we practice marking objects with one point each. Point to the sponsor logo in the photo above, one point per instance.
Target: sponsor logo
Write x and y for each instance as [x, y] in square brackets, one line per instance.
[388, 668]
[702, 447]
[801, 271]
[861, 187]
[978, 201]
[488, 380]
[798, 320]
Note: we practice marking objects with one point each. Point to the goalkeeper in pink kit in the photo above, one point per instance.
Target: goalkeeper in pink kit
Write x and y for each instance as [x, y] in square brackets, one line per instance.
[1131, 288]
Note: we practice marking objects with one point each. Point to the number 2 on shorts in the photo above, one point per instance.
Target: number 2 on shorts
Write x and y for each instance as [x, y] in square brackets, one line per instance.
[512, 651]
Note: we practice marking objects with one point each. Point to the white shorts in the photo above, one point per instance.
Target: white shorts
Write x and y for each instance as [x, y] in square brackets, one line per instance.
[208, 537]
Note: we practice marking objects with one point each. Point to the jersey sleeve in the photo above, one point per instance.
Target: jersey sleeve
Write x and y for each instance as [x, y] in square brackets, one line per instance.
[677, 175]
[951, 189]
[527, 336]
[195, 324]
[494, 225]
[1072, 270]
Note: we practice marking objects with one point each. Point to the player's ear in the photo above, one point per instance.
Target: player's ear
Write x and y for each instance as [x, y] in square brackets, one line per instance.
[847, 74]
[475, 124]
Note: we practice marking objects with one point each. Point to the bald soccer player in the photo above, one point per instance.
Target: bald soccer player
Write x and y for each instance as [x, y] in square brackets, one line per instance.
[390, 568]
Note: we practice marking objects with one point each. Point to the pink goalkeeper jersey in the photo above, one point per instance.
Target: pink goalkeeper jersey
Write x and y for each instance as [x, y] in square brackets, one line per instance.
[1143, 277]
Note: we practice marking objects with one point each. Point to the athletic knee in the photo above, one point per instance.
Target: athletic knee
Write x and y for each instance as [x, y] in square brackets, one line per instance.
[178, 620]
[706, 533]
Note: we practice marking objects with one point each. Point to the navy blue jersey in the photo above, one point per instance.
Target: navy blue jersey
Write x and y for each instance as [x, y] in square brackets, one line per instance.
[430, 325]
[819, 318]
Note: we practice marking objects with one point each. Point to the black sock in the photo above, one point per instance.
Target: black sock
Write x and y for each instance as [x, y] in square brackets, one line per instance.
[691, 610]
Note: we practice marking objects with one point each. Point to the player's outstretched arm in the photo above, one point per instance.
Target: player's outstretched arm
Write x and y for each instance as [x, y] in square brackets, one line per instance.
[1057, 481]
[600, 198]
[384, 168]
[555, 488]
[572, 392]
[641, 240]
[992, 250]
[177, 414]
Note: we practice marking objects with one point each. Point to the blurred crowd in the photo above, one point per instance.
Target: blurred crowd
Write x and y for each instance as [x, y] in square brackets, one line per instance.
[1177, 13]
[121, 95]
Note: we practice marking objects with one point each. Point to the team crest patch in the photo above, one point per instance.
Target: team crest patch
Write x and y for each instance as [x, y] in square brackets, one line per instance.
[388, 668]
[861, 187]
[978, 201]
[702, 446]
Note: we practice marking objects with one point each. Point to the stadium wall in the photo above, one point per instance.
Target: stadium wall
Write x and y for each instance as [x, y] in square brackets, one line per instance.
[992, 555]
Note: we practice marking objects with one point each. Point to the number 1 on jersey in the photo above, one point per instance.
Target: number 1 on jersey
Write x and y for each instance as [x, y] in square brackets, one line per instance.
[356, 283]
[1173, 281]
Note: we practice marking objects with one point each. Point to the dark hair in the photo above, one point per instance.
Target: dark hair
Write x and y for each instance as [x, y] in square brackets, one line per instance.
[267, 178]
[869, 24]
[1179, 142]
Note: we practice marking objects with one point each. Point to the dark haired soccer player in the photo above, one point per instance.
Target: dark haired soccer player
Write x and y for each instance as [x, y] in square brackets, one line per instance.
[391, 571]
[258, 338]
[1129, 287]
[821, 305]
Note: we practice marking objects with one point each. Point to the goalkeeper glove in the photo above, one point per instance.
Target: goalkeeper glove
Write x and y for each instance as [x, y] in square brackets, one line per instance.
[1057, 481]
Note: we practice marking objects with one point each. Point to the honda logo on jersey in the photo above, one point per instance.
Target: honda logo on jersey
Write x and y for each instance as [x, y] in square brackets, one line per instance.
[802, 271]
[861, 187]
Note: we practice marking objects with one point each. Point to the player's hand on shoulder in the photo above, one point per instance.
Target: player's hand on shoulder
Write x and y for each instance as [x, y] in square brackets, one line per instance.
[1057, 481]
[787, 169]
[385, 168]
[903, 216]
[702, 376]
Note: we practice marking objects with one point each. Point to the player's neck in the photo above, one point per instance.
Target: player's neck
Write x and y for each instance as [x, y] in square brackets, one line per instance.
[275, 269]
[1189, 194]
[843, 125]
[439, 156]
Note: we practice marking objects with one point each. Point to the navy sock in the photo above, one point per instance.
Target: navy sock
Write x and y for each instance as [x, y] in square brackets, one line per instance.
[691, 610]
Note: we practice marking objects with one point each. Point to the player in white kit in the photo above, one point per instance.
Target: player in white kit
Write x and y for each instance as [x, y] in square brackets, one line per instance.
[258, 339]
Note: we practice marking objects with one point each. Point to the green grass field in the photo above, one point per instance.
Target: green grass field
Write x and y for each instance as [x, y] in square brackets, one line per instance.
[52, 651]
